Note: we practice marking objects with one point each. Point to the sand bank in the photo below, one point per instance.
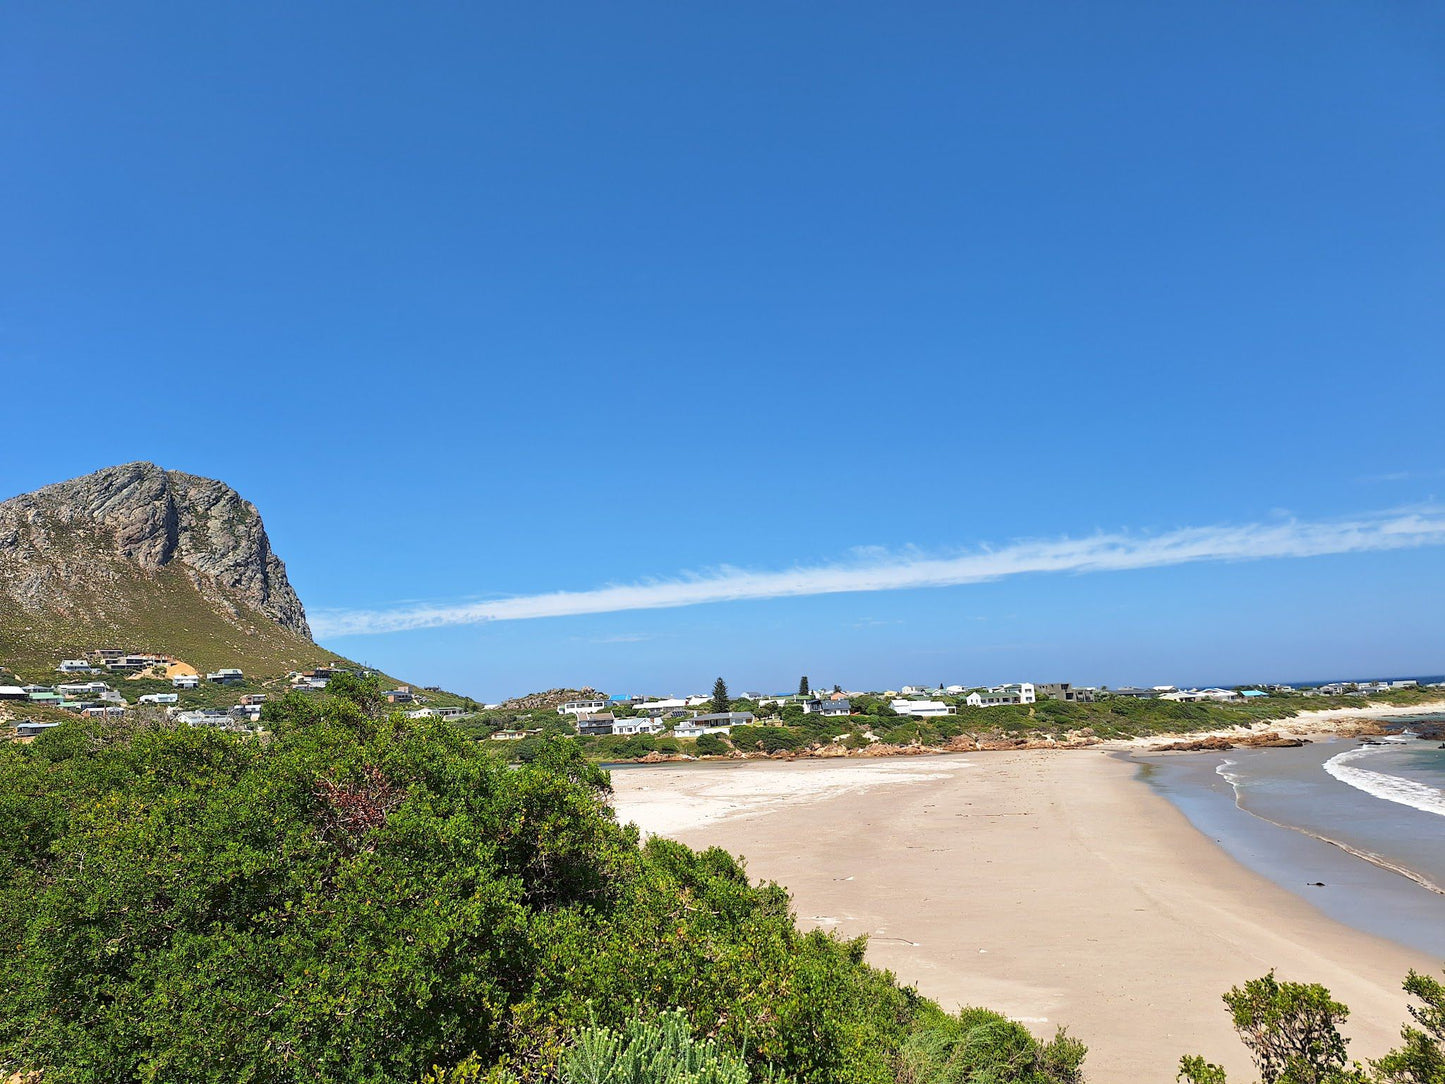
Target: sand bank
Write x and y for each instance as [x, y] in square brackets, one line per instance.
[1053, 887]
[1306, 723]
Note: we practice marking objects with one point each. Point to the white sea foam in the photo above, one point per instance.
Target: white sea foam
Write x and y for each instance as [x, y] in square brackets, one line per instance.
[1392, 788]
[1222, 770]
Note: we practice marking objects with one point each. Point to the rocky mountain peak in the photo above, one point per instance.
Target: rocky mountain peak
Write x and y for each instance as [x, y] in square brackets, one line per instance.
[140, 515]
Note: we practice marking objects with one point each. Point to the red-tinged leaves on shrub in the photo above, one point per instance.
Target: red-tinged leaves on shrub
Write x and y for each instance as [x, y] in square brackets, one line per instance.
[350, 812]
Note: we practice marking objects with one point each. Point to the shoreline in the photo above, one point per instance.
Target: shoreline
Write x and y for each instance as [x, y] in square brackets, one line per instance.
[1376, 860]
[1057, 889]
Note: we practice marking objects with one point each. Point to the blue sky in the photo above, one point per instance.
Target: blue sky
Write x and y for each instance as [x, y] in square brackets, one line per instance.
[500, 301]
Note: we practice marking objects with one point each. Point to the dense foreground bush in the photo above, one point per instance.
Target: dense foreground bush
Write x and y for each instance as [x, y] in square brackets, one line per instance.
[1292, 1031]
[360, 899]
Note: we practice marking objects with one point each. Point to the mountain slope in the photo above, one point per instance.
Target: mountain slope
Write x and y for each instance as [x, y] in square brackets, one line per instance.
[146, 559]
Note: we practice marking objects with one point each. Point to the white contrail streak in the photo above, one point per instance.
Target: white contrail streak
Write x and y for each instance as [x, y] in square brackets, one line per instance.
[1096, 553]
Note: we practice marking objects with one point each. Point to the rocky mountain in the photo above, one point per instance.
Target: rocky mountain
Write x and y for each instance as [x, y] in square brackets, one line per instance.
[147, 559]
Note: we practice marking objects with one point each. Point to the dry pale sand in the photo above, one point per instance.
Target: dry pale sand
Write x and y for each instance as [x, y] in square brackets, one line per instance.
[1051, 886]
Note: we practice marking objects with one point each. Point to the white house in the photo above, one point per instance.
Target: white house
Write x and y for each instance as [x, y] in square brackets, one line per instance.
[636, 726]
[1021, 692]
[1222, 695]
[228, 675]
[724, 718]
[76, 666]
[1185, 696]
[923, 709]
[674, 705]
[84, 688]
[690, 729]
[828, 707]
[186, 681]
[160, 698]
[581, 707]
[205, 717]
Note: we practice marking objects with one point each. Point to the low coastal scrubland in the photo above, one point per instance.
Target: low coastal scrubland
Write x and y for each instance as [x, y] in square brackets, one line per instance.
[358, 897]
[877, 730]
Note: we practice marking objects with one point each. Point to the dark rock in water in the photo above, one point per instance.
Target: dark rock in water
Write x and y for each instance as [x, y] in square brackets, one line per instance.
[1428, 729]
[1282, 743]
[1199, 745]
[1317, 884]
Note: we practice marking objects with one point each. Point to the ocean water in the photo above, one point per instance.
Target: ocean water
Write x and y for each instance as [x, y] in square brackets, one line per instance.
[1357, 830]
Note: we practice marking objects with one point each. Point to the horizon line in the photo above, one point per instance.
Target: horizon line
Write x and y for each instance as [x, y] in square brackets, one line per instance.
[1100, 552]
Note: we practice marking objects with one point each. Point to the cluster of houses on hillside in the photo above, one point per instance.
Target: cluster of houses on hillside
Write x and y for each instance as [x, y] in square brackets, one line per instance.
[114, 660]
[96, 698]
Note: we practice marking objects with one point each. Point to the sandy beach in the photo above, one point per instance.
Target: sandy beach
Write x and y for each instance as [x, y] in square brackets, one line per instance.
[1052, 886]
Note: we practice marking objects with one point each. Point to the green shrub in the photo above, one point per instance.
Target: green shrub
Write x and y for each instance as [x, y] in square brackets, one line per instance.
[660, 1051]
[769, 739]
[1422, 1059]
[711, 745]
[362, 899]
[981, 1047]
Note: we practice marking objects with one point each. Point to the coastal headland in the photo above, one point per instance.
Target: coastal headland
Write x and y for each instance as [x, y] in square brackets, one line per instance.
[1051, 885]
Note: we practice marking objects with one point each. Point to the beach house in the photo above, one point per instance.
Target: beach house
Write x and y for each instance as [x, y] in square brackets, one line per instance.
[596, 724]
[642, 725]
[582, 707]
[1019, 692]
[922, 709]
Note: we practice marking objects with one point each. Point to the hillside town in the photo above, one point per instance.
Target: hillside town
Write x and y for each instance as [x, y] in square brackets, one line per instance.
[97, 685]
[167, 685]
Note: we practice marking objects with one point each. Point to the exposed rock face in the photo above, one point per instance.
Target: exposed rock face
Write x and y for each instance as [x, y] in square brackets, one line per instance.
[550, 699]
[81, 533]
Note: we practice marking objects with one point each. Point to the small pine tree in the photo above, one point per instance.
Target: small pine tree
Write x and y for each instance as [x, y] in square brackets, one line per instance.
[803, 689]
[721, 702]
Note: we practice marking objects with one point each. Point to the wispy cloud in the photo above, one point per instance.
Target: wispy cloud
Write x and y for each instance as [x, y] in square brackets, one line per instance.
[1405, 475]
[873, 570]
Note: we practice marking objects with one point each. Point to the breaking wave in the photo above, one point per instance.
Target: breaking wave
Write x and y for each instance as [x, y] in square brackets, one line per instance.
[1392, 788]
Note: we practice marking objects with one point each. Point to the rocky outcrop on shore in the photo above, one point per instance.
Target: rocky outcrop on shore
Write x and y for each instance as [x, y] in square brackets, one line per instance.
[1216, 743]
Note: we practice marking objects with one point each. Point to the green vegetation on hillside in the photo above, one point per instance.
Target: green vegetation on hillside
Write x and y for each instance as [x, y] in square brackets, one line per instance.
[161, 612]
[359, 899]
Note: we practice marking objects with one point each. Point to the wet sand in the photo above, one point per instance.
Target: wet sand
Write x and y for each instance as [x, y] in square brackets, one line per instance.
[1054, 887]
